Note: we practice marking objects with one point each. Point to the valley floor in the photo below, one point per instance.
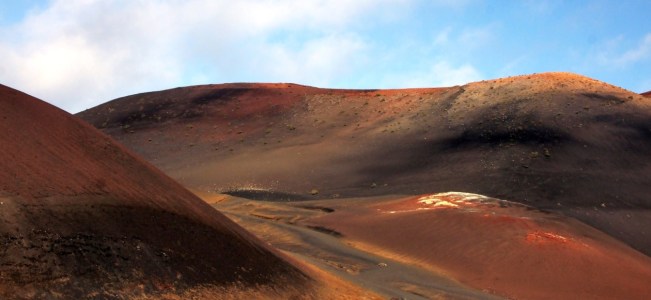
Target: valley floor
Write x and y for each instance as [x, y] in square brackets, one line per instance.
[283, 224]
[445, 246]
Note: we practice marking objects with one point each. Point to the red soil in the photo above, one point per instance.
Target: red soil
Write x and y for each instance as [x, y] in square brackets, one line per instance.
[646, 94]
[503, 247]
[82, 216]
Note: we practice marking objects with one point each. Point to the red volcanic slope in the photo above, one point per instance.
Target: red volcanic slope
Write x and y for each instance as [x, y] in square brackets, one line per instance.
[646, 94]
[82, 216]
[553, 140]
[498, 246]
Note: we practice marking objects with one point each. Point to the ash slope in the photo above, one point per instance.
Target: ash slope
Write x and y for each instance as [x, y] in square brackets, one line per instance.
[554, 140]
[83, 217]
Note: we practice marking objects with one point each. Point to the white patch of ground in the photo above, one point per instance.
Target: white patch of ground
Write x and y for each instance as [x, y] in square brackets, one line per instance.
[450, 199]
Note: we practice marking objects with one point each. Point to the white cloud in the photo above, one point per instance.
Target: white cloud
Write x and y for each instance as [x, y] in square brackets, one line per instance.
[442, 38]
[476, 38]
[447, 46]
[79, 53]
[317, 62]
[540, 6]
[631, 56]
[443, 74]
[464, 41]
[642, 51]
[439, 74]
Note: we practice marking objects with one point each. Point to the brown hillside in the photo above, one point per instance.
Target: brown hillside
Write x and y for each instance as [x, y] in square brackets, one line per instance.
[646, 94]
[82, 217]
[555, 140]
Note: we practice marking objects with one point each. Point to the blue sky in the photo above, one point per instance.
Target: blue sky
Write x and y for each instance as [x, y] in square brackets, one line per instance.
[79, 53]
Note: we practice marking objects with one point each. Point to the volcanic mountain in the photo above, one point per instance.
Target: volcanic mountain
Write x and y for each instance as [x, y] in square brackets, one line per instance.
[82, 217]
[556, 141]
[646, 94]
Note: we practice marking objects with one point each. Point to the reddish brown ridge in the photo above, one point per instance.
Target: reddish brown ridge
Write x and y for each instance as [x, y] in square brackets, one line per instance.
[84, 217]
[557, 141]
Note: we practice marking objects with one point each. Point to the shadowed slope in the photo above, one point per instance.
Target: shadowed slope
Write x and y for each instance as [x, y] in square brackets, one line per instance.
[82, 217]
[553, 140]
[646, 94]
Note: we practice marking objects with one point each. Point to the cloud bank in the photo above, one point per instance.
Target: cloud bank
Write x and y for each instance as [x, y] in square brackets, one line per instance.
[79, 53]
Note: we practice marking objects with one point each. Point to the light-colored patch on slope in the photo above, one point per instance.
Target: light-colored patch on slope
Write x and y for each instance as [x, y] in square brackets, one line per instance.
[450, 199]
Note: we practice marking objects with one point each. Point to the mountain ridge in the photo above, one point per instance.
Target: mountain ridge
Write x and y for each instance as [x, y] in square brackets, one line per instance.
[557, 141]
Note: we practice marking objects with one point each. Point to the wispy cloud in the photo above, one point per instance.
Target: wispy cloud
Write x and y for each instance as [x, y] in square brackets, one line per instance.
[438, 74]
[540, 6]
[464, 41]
[640, 52]
[318, 61]
[473, 38]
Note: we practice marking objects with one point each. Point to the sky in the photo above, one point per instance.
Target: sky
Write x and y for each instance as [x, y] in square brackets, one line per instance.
[77, 54]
